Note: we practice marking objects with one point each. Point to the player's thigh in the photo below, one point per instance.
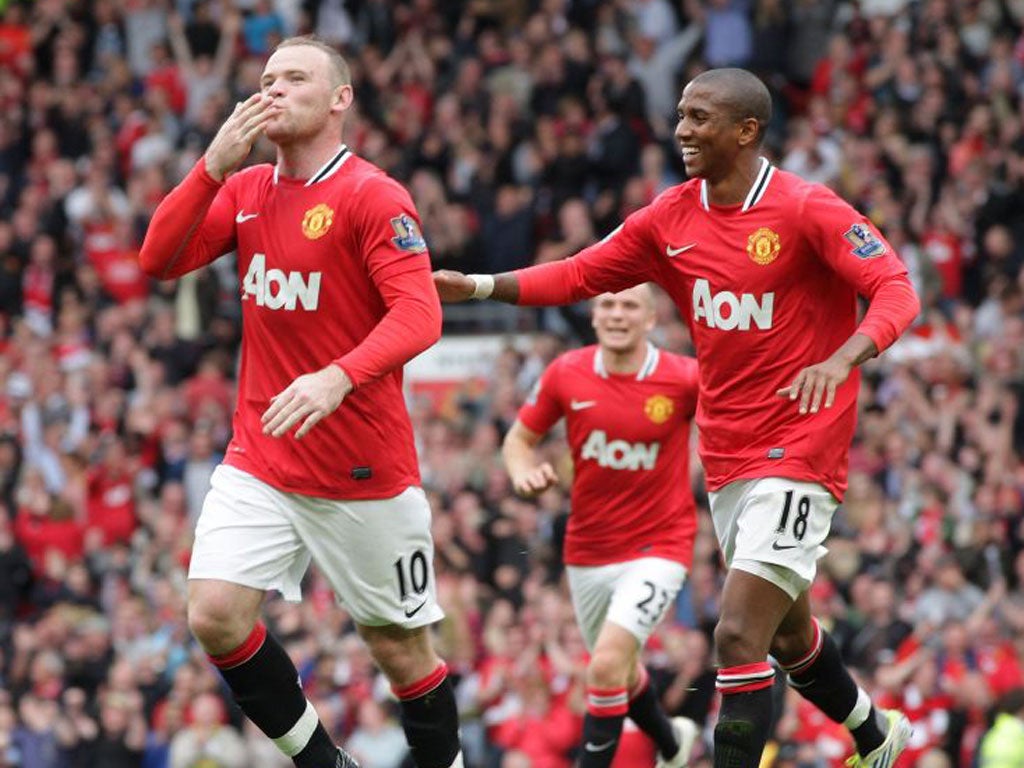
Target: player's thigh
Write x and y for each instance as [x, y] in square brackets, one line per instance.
[591, 587]
[643, 594]
[244, 535]
[378, 555]
[774, 528]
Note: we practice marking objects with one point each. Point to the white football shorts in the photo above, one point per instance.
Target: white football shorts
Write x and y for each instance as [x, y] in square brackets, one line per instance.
[377, 554]
[774, 528]
[634, 595]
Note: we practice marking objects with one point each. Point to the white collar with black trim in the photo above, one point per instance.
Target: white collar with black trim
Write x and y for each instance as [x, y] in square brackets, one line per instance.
[328, 169]
[757, 189]
[649, 366]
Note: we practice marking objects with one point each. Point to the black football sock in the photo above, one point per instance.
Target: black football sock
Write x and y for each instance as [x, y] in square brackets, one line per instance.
[821, 678]
[430, 719]
[264, 682]
[745, 716]
[645, 710]
[602, 726]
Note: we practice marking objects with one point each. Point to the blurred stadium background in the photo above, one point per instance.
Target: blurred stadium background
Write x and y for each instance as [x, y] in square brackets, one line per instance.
[525, 130]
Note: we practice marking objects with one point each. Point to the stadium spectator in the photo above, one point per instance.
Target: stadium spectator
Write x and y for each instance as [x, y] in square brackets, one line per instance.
[208, 738]
[377, 740]
[1003, 745]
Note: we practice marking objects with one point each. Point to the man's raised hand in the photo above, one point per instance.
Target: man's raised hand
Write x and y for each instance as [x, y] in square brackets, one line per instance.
[237, 135]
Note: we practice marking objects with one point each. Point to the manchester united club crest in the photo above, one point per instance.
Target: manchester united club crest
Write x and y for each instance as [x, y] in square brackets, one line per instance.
[317, 221]
[658, 408]
[763, 246]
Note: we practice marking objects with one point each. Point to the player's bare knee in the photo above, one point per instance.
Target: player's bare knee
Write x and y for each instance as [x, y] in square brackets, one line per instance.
[217, 632]
[404, 656]
[788, 646]
[217, 620]
[608, 669]
[734, 644]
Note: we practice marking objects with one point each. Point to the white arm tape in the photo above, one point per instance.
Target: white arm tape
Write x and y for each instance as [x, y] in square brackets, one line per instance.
[484, 286]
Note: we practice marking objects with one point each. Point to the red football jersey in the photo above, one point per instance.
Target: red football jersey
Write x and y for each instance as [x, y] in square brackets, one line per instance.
[629, 436]
[767, 288]
[321, 263]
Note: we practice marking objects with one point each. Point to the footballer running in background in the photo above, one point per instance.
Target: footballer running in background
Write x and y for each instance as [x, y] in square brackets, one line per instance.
[766, 268]
[336, 297]
[627, 407]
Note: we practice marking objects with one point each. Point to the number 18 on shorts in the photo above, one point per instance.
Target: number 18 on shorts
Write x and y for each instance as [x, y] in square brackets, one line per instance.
[774, 528]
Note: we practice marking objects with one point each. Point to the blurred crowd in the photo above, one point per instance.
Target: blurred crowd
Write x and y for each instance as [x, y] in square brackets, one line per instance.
[525, 131]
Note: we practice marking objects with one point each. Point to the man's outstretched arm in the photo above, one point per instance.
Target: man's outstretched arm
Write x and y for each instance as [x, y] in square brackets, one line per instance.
[617, 262]
[587, 274]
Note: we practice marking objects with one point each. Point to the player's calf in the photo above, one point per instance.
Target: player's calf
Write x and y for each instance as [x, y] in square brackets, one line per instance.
[746, 714]
[820, 676]
[602, 725]
[645, 710]
[430, 720]
[264, 683]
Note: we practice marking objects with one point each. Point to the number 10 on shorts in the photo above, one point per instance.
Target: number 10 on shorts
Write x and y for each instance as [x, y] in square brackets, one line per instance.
[412, 573]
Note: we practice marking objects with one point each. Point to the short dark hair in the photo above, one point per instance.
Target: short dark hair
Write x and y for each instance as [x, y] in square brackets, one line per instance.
[339, 67]
[742, 93]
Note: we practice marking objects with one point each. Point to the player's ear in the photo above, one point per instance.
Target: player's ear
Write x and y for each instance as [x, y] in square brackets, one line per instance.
[342, 98]
[749, 130]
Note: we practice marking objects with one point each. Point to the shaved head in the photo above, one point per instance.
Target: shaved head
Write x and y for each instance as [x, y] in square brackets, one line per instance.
[740, 92]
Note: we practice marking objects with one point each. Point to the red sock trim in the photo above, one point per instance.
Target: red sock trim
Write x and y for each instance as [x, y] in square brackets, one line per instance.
[811, 656]
[607, 702]
[421, 687]
[642, 682]
[245, 651]
[744, 678]
[755, 686]
[744, 670]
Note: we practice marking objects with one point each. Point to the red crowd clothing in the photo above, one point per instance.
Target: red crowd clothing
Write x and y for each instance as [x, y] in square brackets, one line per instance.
[39, 534]
[111, 504]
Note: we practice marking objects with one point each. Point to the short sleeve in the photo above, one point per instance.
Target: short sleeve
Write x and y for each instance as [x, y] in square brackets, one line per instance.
[543, 408]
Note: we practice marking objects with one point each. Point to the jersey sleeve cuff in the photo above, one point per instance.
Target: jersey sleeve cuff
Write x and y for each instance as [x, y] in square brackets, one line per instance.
[877, 335]
[528, 422]
[340, 363]
[203, 175]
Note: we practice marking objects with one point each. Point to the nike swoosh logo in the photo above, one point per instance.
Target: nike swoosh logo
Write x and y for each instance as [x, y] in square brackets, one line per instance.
[598, 747]
[409, 614]
[778, 547]
[670, 251]
[579, 405]
[243, 217]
